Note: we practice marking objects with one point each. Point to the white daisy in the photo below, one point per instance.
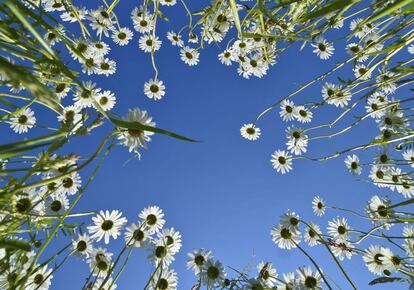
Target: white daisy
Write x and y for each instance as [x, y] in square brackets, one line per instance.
[122, 36]
[106, 100]
[302, 114]
[267, 275]
[29, 201]
[171, 238]
[411, 49]
[339, 229]
[362, 72]
[323, 48]
[106, 224]
[100, 262]
[386, 81]
[308, 279]
[106, 67]
[108, 285]
[377, 209]
[189, 55]
[212, 273]
[23, 121]
[135, 138]
[312, 234]
[164, 280]
[57, 204]
[357, 51]
[154, 89]
[281, 161]
[136, 234]
[342, 249]
[160, 253]
[197, 258]
[168, 2]
[285, 238]
[376, 104]
[84, 96]
[147, 44]
[143, 23]
[226, 57]
[40, 279]
[153, 218]
[318, 206]
[287, 110]
[82, 246]
[408, 155]
[374, 259]
[297, 140]
[353, 165]
[70, 184]
[250, 132]
[290, 220]
[175, 39]
[378, 175]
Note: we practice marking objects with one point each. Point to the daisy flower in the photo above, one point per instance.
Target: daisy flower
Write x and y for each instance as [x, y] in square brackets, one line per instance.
[84, 96]
[136, 234]
[212, 273]
[250, 132]
[143, 23]
[154, 89]
[374, 259]
[318, 206]
[281, 161]
[82, 246]
[361, 72]
[164, 280]
[197, 258]
[356, 50]
[376, 104]
[285, 238]
[297, 140]
[100, 262]
[171, 238]
[122, 36]
[108, 285]
[153, 218]
[98, 49]
[312, 234]
[342, 249]
[57, 204]
[408, 155]
[353, 165]
[323, 48]
[147, 44]
[106, 224]
[23, 121]
[70, 184]
[290, 220]
[189, 55]
[392, 262]
[308, 279]
[106, 100]
[226, 57]
[386, 81]
[303, 115]
[160, 253]
[378, 175]
[29, 201]
[175, 39]
[61, 90]
[411, 49]
[40, 279]
[339, 229]
[168, 2]
[267, 274]
[287, 110]
[288, 283]
[135, 138]
[377, 209]
[106, 67]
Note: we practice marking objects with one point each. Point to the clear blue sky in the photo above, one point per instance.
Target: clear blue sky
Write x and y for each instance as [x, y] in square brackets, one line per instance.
[222, 193]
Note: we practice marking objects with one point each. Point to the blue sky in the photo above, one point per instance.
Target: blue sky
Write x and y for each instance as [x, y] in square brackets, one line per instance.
[221, 193]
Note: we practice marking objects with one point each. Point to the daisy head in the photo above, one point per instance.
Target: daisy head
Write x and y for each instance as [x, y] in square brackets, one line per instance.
[318, 206]
[197, 258]
[82, 246]
[250, 132]
[153, 217]
[106, 224]
[136, 234]
[281, 161]
[154, 89]
[212, 273]
[23, 121]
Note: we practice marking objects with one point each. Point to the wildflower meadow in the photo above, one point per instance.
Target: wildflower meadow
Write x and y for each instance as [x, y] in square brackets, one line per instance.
[223, 144]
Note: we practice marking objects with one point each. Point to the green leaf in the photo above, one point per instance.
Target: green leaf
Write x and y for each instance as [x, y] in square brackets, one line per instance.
[381, 280]
[388, 10]
[405, 220]
[330, 7]
[139, 126]
[33, 141]
[233, 8]
[407, 202]
[14, 152]
[15, 245]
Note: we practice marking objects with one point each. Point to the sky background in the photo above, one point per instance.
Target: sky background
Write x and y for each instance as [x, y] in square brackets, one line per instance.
[221, 193]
